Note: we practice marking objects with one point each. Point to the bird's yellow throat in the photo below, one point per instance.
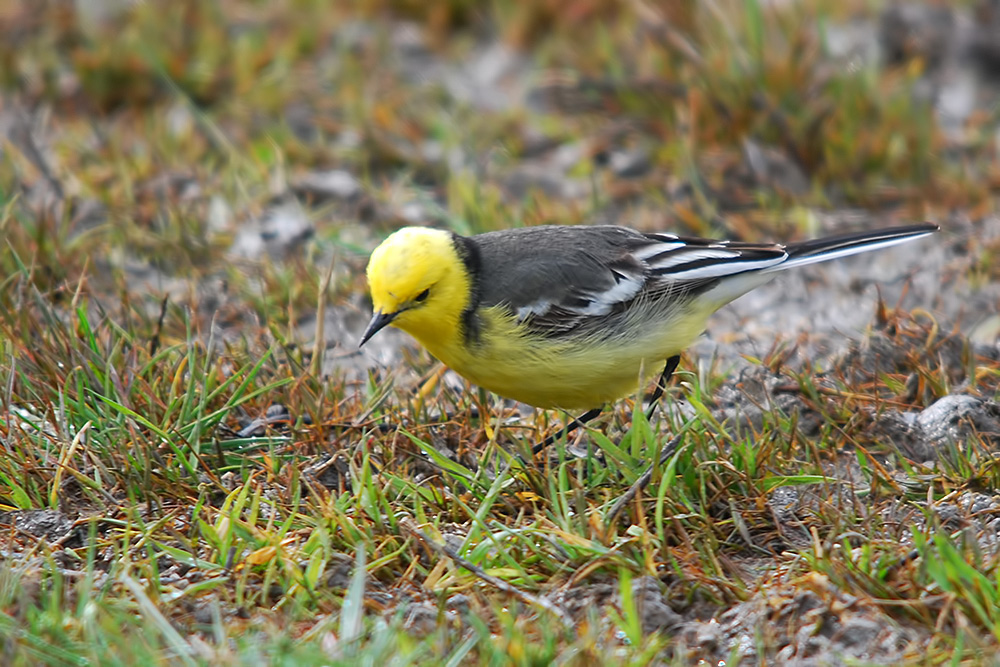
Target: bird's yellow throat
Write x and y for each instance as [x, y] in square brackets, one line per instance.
[418, 280]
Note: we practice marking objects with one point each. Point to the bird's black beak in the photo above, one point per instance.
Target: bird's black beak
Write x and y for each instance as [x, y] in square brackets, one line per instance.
[379, 321]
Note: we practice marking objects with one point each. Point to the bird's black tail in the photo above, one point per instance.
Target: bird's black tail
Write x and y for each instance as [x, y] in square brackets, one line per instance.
[832, 247]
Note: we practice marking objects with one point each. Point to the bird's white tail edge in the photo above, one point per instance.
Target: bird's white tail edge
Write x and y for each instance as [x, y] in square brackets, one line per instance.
[837, 249]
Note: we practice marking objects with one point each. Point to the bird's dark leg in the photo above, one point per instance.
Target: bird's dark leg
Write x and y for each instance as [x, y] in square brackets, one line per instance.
[570, 427]
[661, 384]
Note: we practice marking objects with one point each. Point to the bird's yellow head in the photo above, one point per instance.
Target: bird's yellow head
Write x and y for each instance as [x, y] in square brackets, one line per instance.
[418, 283]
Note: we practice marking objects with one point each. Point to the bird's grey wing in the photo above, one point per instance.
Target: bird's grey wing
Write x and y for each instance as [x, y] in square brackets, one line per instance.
[555, 278]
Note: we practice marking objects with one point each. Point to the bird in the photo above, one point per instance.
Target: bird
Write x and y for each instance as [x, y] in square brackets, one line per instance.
[570, 316]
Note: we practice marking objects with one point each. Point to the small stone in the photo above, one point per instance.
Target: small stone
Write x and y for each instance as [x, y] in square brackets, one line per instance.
[459, 603]
[953, 419]
[421, 619]
[630, 163]
[654, 612]
[332, 184]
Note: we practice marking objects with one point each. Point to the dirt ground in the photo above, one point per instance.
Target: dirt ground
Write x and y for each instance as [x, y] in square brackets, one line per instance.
[174, 200]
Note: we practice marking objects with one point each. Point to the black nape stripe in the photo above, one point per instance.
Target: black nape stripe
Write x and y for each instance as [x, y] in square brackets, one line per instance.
[468, 251]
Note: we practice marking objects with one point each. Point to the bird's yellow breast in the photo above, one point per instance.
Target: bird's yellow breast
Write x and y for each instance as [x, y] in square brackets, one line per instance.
[569, 373]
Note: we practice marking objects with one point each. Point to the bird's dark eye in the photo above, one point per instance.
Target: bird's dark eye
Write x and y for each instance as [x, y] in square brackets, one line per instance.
[422, 296]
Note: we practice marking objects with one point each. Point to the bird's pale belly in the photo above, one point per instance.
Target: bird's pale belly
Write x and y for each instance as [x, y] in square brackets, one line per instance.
[570, 389]
[570, 374]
